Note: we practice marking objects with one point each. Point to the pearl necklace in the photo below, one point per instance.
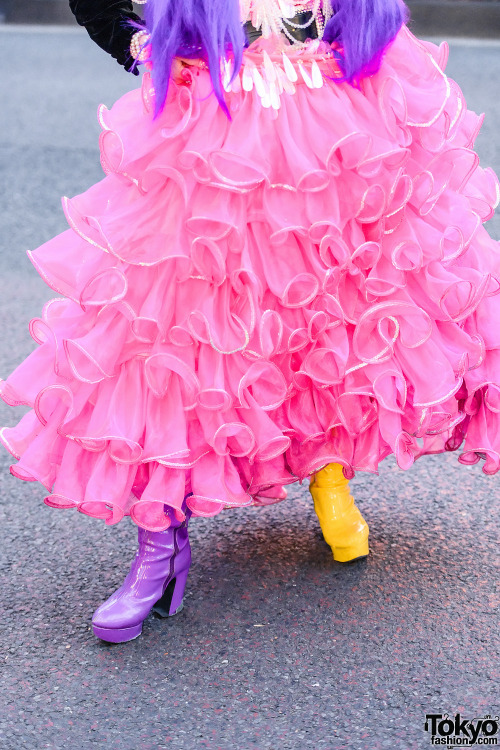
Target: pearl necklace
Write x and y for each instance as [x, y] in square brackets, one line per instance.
[275, 16]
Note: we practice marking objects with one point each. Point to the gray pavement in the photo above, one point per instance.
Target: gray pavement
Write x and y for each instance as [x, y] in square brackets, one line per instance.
[278, 647]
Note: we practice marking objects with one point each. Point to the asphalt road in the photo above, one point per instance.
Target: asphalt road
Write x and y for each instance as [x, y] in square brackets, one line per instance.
[278, 646]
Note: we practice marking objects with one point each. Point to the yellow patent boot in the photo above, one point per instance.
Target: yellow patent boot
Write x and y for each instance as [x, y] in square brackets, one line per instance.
[343, 526]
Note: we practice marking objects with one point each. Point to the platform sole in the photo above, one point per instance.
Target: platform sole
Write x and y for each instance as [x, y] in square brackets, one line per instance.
[117, 635]
[168, 605]
[350, 554]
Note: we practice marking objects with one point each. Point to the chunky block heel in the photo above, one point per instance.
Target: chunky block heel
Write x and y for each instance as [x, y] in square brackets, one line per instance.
[172, 601]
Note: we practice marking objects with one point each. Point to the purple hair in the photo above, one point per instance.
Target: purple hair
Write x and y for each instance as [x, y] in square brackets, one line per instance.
[207, 29]
[212, 29]
[363, 29]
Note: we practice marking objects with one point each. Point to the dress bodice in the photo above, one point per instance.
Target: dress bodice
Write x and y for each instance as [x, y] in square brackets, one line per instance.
[297, 19]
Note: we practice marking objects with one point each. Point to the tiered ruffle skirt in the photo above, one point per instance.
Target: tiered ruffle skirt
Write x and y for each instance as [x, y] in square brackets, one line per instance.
[246, 300]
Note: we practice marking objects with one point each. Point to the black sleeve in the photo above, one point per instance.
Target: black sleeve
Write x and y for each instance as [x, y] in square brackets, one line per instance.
[107, 24]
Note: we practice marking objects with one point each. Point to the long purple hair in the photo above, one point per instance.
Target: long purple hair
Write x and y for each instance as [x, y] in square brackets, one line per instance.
[206, 29]
[363, 29]
[211, 29]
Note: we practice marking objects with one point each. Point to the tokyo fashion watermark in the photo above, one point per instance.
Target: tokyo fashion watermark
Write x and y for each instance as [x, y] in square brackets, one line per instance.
[454, 731]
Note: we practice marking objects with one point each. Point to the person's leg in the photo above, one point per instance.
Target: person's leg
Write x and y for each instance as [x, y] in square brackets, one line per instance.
[156, 581]
[343, 526]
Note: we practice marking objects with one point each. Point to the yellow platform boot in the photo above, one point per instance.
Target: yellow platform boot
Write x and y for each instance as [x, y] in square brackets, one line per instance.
[343, 526]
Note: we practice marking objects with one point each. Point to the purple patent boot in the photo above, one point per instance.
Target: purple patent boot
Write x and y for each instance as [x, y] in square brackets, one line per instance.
[156, 581]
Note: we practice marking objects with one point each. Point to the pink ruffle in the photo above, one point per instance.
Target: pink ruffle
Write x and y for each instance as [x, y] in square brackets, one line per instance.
[245, 301]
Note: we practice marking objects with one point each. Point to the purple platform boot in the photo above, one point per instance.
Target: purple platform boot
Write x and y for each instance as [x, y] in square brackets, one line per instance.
[156, 581]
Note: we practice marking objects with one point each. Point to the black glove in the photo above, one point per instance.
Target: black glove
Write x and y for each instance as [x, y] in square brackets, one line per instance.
[107, 23]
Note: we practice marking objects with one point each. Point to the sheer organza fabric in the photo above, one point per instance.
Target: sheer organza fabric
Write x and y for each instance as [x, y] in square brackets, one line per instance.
[246, 300]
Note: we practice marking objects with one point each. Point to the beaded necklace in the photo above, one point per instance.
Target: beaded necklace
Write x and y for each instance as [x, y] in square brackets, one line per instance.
[278, 17]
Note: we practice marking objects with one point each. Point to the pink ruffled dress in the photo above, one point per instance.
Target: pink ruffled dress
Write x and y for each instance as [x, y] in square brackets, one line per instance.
[244, 301]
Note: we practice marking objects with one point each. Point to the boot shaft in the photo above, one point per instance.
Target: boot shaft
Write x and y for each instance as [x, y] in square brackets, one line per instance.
[168, 546]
